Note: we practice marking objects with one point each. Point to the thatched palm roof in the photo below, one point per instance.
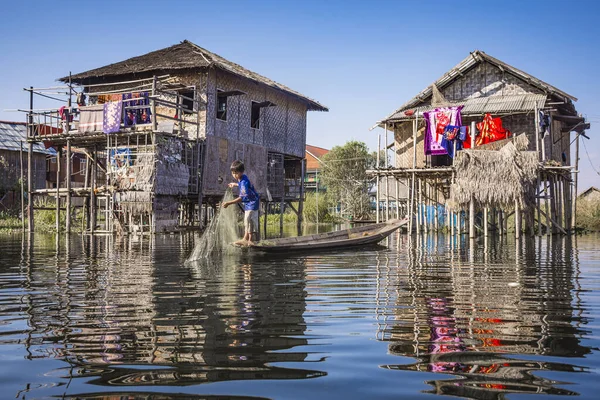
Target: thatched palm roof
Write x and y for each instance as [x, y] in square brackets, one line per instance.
[495, 178]
[183, 56]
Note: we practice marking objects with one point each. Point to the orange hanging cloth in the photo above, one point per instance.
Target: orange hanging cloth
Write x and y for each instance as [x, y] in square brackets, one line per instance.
[490, 130]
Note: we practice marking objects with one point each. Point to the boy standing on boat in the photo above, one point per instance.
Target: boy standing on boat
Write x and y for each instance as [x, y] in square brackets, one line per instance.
[249, 199]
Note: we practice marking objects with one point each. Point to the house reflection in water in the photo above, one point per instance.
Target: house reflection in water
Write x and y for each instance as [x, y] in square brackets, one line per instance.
[467, 318]
[131, 313]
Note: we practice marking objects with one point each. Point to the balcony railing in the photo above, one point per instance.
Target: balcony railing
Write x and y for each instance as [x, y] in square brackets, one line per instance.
[157, 108]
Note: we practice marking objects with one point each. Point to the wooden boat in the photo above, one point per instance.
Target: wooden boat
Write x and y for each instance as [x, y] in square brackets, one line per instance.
[358, 236]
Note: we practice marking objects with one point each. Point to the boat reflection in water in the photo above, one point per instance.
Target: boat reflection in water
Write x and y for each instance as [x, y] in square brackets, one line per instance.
[465, 319]
[130, 313]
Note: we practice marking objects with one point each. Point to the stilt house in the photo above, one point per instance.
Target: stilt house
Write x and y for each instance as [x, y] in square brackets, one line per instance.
[535, 117]
[164, 128]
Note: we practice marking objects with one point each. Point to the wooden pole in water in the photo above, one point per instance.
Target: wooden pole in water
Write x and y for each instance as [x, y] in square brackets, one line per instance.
[93, 191]
[485, 222]
[553, 216]
[377, 195]
[69, 173]
[574, 193]
[420, 207]
[387, 181]
[471, 218]
[517, 221]
[435, 205]
[300, 219]
[22, 186]
[30, 164]
[58, 168]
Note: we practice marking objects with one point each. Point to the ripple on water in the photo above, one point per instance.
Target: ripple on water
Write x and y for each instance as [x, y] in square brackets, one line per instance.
[90, 316]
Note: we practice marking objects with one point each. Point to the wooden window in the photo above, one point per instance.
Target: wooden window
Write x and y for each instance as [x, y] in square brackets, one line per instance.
[187, 101]
[221, 105]
[255, 115]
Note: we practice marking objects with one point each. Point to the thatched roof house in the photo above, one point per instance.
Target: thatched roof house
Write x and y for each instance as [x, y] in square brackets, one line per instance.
[483, 84]
[168, 125]
[185, 56]
[591, 194]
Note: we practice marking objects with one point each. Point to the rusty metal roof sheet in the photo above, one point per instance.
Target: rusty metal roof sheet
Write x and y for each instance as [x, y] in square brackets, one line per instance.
[483, 105]
[12, 134]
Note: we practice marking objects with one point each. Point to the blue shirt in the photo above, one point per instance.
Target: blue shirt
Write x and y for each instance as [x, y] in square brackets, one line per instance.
[250, 198]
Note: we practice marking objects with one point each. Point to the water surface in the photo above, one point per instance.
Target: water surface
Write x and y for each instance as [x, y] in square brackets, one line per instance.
[102, 317]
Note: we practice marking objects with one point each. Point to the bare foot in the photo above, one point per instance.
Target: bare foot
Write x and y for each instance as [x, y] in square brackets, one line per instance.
[250, 243]
[241, 242]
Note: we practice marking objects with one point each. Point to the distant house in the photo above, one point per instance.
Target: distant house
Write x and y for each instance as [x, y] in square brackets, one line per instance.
[13, 135]
[591, 194]
[314, 165]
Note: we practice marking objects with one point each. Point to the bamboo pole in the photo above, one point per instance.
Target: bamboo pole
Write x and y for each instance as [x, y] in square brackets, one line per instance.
[485, 222]
[517, 220]
[30, 164]
[22, 185]
[93, 191]
[69, 172]
[538, 203]
[378, 179]
[420, 207]
[435, 204]
[553, 216]
[58, 168]
[472, 218]
[536, 131]
[301, 200]
[387, 181]
[574, 195]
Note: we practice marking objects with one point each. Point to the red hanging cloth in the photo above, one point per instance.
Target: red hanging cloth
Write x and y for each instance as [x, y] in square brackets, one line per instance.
[490, 130]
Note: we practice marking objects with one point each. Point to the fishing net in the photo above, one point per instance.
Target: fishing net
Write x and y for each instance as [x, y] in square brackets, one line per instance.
[220, 232]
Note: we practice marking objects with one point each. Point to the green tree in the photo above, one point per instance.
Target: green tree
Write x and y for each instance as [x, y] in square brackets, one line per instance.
[345, 175]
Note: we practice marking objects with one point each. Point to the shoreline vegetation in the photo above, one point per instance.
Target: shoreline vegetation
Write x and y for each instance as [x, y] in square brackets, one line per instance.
[588, 216]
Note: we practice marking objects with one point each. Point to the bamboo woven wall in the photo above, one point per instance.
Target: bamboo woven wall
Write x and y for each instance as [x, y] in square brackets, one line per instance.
[486, 80]
[282, 127]
[220, 152]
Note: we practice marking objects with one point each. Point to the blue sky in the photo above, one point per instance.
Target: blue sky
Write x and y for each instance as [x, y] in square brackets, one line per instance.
[361, 59]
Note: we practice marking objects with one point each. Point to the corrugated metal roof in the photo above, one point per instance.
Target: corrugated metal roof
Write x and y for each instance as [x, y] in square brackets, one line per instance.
[482, 105]
[13, 133]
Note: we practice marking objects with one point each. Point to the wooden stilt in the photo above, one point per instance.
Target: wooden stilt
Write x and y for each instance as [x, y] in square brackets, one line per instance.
[485, 222]
[58, 170]
[424, 203]
[435, 205]
[94, 168]
[300, 219]
[517, 221]
[574, 193]
[552, 182]
[472, 218]
[69, 173]
[30, 188]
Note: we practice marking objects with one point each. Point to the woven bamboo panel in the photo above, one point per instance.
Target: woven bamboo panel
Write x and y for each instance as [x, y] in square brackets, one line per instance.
[403, 136]
[275, 121]
[211, 90]
[282, 127]
[172, 175]
[486, 80]
[255, 161]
